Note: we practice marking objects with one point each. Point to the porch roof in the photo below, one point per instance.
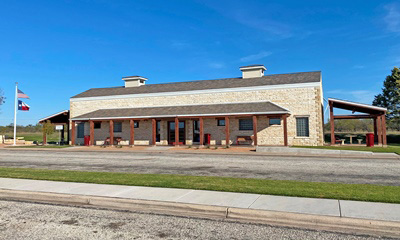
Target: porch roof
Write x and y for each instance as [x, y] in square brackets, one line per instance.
[225, 109]
[356, 107]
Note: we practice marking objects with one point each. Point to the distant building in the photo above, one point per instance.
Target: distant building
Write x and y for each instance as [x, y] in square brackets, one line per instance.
[257, 109]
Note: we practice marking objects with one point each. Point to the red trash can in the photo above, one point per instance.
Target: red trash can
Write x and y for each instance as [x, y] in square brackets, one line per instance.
[370, 139]
[86, 140]
[207, 139]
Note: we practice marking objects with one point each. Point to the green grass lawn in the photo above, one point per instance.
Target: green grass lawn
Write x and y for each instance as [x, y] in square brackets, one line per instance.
[395, 148]
[36, 136]
[358, 192]
[40, 146]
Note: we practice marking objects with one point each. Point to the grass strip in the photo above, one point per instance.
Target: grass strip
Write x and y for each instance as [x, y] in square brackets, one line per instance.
[358, 192]
[388, 149]
[41, 146]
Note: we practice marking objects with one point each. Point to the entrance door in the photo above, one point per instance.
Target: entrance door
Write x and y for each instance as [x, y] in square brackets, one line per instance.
[196, 131]
[171, 133]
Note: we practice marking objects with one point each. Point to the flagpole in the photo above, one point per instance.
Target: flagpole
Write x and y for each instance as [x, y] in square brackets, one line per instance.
[15, 114]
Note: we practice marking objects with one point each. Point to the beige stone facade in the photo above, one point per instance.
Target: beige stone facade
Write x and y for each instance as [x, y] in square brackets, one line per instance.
[301, 101]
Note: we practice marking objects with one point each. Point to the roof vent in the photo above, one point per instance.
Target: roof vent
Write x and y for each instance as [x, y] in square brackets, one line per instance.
[134, 81]
[253, 71]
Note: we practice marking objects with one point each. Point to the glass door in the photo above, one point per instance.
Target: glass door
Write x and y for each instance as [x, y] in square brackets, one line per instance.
[171, 133]
[196, 131]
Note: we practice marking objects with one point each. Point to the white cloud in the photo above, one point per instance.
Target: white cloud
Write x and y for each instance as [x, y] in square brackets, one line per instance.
[179, 45]
[358, 66]
[256, 56]
[392, 17]
[216, 65]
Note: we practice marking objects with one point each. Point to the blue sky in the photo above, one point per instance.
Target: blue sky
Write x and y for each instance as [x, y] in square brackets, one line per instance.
[56, 49]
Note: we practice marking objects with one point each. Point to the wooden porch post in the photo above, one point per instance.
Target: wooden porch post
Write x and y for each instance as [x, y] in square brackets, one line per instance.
[379, 127]
[176, 132]
[132, 133]
[375, 130]
[285, 137]
[111, 132]
[68, 134]
[91, 123]
[227, 136]
[201, 126]
[44, 138]
[384, 140]
[255, 130]
[73, 133]
[333, 140]
[154, 131]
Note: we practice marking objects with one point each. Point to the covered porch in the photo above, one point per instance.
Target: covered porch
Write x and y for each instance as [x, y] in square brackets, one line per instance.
[378, 114]
[214, 124]
[60, 118]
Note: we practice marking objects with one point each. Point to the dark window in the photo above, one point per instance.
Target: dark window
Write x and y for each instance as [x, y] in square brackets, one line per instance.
[274, 121]
[97, 125]
[81, 130]
[136, 124]
[221, 122]
[196, 131]
[118, 127]
[245, 124]
[302, 127]
[158, 129]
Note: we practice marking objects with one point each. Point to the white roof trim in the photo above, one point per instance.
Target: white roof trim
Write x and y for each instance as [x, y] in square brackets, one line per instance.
[53, 115]
[184, 115]
[357, 104]
[218, 90]
[253, 67]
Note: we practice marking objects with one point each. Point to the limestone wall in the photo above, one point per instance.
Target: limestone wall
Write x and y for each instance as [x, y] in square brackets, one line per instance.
[305, 101]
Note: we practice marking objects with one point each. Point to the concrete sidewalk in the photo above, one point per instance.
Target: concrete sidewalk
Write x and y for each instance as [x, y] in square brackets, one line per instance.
[339, 209]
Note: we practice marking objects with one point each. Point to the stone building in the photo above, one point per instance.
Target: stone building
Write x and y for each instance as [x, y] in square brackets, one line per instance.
[257, 109]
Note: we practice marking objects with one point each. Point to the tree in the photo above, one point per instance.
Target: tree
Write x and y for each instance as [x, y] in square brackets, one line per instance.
[2, 98]
[47, 129]
[390, 98]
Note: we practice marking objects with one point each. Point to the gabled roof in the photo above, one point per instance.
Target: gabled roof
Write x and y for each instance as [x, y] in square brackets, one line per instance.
[224, 109]
[60, 117]
[355, 106]
[275, 79]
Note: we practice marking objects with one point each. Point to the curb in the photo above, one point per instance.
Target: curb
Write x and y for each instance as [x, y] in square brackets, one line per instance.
[286, 219]
[259, 154]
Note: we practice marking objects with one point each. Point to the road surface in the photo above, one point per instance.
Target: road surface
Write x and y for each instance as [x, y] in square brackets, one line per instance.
[20, 220]
[316, 169]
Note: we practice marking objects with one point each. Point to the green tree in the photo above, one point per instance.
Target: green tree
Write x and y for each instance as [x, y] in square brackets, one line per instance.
[2, 98]
[390, 98]
[48, 128]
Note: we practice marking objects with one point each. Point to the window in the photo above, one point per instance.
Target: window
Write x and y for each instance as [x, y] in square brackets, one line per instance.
[302, 127]
[136, 124]
[81, 130]
[245, 124]
[158, 130]
[274, 121]
[221, 122]
[97, 125]
[118, 127]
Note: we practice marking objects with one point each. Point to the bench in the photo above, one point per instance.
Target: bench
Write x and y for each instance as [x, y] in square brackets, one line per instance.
[116, 140]
[244, 139]
[341, 141]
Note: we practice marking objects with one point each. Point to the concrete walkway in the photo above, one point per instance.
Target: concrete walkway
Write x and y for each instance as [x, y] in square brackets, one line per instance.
[322, 207]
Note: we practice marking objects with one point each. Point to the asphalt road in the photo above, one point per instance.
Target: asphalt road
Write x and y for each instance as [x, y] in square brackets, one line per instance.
[317, 169]
[20, 220]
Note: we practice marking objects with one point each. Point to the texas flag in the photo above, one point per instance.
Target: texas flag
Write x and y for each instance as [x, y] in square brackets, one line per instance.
[23, 106]
[22, 94]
